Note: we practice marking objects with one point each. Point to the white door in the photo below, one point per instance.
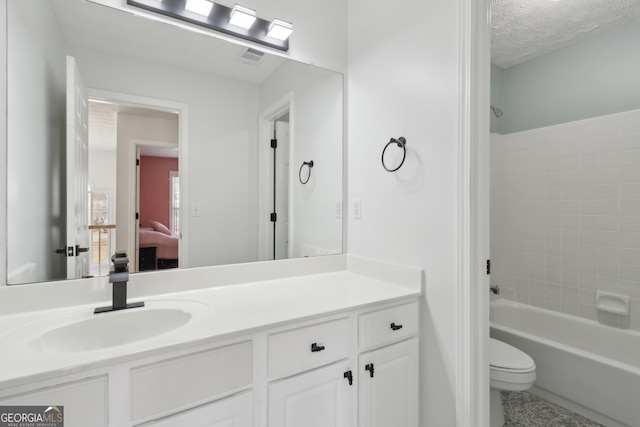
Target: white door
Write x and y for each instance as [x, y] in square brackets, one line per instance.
[388, 386]
[281, 180]
[319, 398]
[78, 236]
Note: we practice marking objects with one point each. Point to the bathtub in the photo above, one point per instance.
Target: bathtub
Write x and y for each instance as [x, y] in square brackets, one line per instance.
[582, 365]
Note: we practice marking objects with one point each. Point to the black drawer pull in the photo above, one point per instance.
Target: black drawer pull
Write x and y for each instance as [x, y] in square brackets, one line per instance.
[315, 347]
[395, 327]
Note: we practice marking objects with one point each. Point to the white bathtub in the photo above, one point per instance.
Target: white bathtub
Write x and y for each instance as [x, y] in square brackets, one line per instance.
[590, 368]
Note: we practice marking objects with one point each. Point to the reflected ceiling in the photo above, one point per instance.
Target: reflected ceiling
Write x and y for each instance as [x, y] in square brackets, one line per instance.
[165, 44]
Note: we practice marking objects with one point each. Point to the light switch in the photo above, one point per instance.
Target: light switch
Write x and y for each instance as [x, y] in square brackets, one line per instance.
[357, 209]
[196, 209]
[338, 208]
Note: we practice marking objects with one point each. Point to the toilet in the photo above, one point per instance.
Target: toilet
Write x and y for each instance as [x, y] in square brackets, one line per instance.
[510, 370]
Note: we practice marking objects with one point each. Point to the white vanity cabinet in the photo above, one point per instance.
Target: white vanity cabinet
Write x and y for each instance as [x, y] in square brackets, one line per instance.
[375, 382]
[322, 394]
[208, 385]
[389, 372]
[356, 367]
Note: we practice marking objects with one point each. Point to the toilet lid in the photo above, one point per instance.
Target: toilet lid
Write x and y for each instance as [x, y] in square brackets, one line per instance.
[505, 356]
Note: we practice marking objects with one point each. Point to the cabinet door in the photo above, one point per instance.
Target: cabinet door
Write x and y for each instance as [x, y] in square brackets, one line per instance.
[84, 402]
[235, 411]
[389, 386]
[319, 398]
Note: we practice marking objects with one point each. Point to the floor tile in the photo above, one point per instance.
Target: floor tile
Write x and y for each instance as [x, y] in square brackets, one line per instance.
[523, 409]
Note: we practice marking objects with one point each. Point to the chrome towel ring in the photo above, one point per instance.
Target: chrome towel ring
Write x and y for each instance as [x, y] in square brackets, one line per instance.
[400, 142]
[309, 165]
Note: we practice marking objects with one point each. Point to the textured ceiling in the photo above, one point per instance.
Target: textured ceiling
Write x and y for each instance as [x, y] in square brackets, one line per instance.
[525, 29]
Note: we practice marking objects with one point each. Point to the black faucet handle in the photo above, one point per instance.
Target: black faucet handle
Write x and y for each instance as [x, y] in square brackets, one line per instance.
[119, 277]
[120, 261]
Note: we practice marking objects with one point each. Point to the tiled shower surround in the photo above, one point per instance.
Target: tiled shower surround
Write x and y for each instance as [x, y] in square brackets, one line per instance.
[565, 215]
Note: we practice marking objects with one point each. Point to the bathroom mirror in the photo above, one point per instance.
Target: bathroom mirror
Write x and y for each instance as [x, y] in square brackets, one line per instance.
[208, 108]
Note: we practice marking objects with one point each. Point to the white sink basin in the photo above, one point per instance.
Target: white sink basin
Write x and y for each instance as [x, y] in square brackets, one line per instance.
[85, 331]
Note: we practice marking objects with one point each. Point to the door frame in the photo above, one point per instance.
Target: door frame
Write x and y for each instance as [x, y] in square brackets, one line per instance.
[265, 171]
[183, 145]
[472, 365]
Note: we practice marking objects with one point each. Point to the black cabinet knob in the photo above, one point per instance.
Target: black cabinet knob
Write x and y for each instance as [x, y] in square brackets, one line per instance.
[315, 347]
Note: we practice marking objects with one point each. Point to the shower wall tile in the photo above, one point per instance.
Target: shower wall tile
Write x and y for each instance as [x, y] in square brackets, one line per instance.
[565, 215]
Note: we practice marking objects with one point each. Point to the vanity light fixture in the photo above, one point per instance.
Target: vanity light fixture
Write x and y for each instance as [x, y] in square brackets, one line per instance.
[201, 7]
[280, 30]
[231, 21]
[242, 17]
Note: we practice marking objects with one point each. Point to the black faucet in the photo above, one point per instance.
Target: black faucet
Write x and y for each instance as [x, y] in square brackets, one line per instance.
[119, 277]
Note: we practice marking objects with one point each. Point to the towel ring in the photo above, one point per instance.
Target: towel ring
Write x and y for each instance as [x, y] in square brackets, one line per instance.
[309, 165]
[402, 143]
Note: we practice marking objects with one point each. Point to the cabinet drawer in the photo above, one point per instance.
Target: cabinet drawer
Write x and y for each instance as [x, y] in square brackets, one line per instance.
[306, 348]
[175, 384]
[388, 325]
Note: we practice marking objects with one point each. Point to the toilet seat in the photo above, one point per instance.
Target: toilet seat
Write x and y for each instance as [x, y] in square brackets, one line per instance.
[505, 356]
[510, 368]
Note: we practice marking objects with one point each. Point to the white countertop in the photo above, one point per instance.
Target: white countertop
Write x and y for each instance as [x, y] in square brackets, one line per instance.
[226, 312]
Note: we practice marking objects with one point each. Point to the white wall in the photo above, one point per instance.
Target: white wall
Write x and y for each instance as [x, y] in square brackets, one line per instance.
[403, 80]
[497, 99]
[36, 125]
[317, 135]
[320, 29]
[565, 215]
[595, 77]
[222, 147]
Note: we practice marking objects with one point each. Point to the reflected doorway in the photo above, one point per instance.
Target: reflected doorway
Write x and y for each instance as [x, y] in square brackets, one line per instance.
[274, 156]
[280, 186]
[123, 136]
[158, 206]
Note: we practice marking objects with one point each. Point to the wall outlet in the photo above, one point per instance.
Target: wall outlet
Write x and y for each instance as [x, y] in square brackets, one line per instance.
[357, 209]
[338, 208]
